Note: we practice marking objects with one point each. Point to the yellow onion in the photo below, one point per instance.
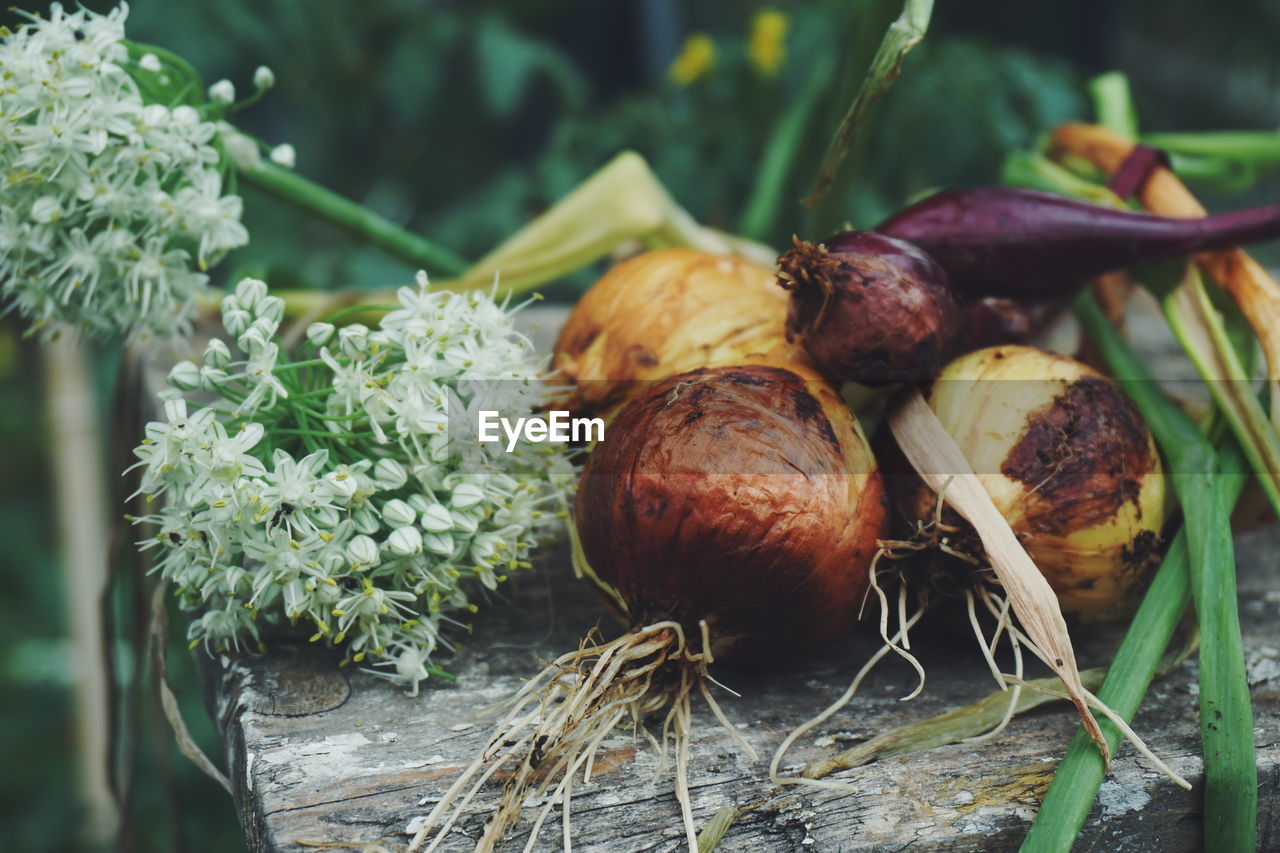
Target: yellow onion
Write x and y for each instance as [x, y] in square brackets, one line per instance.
[1067, 461]
[664, 312]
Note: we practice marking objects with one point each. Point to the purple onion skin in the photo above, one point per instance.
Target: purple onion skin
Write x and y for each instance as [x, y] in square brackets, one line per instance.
[1001, 241]
[868, 308]
[994, 320]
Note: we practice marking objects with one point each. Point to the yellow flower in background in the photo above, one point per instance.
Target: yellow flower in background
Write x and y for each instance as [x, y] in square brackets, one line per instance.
[767, 45]
[697, 57]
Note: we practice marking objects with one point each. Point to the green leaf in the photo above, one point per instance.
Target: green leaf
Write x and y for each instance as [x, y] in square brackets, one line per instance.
[903, 34]
[508, 61]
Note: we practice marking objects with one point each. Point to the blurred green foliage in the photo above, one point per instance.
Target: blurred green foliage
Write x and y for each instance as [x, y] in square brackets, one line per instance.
[462, 120]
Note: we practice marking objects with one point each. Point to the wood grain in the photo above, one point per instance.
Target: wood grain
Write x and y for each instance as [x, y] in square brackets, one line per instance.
[361, 771]
[322, 755]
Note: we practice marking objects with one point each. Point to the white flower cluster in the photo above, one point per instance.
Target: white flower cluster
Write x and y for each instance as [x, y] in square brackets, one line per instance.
[113, 208]
[331, 491]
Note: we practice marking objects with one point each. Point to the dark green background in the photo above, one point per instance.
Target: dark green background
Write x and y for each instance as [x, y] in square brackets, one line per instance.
[463, 119]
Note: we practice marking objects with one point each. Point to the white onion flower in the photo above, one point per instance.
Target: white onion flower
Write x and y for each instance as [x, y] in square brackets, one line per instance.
[339, 498]
[114, 208]
[223, 92]
[284, 155]
[263, 78]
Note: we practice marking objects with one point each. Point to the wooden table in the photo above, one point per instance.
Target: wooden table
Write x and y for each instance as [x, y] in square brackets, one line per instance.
[321, 755]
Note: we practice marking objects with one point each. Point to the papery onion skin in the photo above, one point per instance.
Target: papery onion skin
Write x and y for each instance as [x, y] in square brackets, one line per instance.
[664, 312]
[868, 308]
[743, 495]
[1067, 460]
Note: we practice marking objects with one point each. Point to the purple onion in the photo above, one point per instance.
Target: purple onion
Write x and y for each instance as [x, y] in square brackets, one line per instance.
[1000, 241]
[869, 308]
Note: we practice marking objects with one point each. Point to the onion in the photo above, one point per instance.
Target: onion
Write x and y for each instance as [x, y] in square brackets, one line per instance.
[743, 496]
[869, 308]
[1068, 462]
[1002, 241]
[664, 312]
[730, 511]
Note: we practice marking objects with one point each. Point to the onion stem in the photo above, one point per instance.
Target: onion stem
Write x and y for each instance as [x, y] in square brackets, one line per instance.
[1198, 325]
[903, 34]
[373, 228]
[1207, 485]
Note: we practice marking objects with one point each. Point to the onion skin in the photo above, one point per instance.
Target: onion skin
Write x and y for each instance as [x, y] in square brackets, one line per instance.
[868, 308]
[743, 495]
[1002, 241]
[1068, 462]
[664, 312]
[994, 320]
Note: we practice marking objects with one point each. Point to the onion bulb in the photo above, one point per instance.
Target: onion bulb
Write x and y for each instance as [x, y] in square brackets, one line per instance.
[1067, 460]
[729, 512]
[869, 308]
[743, 496]
[663, 312]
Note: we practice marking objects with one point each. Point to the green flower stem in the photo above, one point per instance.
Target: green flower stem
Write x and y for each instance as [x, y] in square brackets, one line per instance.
[1207, 486]
[375, 229]
[622, 202]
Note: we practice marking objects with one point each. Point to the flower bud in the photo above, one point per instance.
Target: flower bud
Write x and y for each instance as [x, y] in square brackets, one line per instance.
[320, 333]
[405, 541]
[436, 519]
[185, 375]
[284, 155]
[235, 319]
[397, 512]
[253, 339]
[264, 77]
[365, 520]
[242, 150]
[249, 292]
[439, 543]
[389, 474]
[363, 551]
[212, 378]
[466, 495]
[217, 353]
[222, 92]
[353, 339]
[271, 308]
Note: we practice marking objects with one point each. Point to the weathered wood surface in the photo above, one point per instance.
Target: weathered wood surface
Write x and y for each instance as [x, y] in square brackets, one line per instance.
[322, 755]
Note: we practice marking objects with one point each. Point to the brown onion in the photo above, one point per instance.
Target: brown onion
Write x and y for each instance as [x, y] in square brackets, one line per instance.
[1067, 460]
[729, 511]
[663, 312]
[746, 496]
[869, 308]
